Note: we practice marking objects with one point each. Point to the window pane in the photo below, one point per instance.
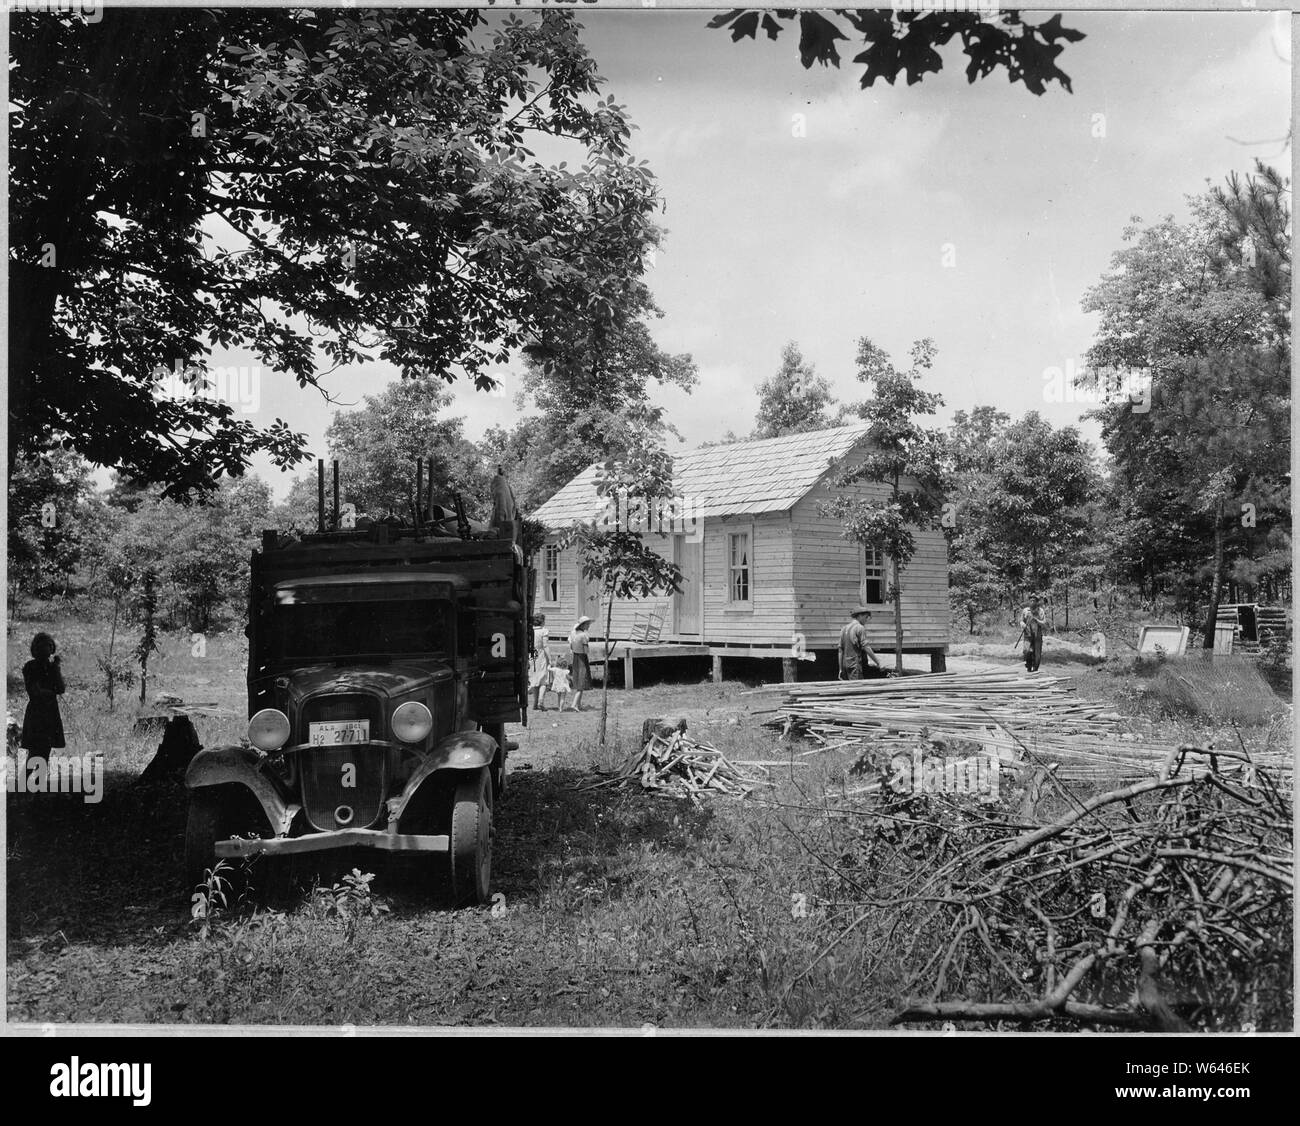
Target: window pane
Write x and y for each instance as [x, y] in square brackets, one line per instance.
[551, 573]
[738, 566]
[329, 630]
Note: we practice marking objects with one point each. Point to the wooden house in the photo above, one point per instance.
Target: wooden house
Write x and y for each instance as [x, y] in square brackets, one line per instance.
[766, 573]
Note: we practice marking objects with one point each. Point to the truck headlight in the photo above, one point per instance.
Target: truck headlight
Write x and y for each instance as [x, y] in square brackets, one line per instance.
[412, 721]
[268, 730]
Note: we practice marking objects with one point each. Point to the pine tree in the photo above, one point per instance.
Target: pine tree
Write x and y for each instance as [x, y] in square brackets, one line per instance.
[794, 400]
[1198, 315]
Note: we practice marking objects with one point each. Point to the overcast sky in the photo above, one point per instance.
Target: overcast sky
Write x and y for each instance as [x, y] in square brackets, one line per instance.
[843, 231]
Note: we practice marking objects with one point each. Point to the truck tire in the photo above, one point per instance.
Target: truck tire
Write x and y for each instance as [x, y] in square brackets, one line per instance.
[217, 815]
[203, 828]
[497, 732]
[468, 862]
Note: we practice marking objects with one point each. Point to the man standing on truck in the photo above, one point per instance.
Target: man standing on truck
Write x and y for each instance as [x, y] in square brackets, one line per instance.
[855, 653]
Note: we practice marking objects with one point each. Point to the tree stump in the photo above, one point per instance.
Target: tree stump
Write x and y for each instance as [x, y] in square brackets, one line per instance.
[179, 745]
[661, 725]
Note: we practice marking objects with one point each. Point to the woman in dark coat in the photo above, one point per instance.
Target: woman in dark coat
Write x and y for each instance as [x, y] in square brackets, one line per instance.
[42, 727]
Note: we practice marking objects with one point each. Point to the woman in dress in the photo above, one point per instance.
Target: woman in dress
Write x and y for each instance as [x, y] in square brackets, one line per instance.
[580, 674]
[539, 665]
[42, 725]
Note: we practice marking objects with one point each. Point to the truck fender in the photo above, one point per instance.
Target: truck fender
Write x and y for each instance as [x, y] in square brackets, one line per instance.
[463, 750]
[220, 766]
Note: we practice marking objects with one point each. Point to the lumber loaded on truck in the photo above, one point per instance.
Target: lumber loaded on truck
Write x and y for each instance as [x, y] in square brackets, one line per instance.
[384, 660]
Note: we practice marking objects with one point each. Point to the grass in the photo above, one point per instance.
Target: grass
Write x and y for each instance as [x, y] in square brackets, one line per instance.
[1219, 692]
[611, 907]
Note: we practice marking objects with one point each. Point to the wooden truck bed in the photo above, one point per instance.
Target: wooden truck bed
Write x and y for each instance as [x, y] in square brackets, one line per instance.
[491, 567]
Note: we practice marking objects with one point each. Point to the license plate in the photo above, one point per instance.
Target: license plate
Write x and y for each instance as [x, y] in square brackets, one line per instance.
[333, 734]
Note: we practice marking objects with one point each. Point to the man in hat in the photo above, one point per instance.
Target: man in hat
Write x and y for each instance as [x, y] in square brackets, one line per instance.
[1032, 623]
[854, 650]
[580, 673]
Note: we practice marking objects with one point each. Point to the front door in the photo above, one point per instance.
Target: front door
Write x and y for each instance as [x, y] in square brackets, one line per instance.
[687, 605]
[588, 600]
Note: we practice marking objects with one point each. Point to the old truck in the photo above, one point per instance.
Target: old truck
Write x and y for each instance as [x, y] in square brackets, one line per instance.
[383, 664]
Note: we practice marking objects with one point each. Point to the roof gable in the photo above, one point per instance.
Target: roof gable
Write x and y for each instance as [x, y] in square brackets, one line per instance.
[764, 475]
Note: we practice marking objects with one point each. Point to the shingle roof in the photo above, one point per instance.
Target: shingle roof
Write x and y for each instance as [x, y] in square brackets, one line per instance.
[767, 475]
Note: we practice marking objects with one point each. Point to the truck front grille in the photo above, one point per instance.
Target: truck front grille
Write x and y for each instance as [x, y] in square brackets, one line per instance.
[346, 779]
[326, 794]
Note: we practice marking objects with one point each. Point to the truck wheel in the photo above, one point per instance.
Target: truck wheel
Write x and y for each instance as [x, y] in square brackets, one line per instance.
[217, 816]
[469, 860]
[497, 731]
[203, 828]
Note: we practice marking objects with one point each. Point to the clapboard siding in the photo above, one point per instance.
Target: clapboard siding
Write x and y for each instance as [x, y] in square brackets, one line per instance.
[560, 615]
[769, 620]
[828, 579]
[805, 578]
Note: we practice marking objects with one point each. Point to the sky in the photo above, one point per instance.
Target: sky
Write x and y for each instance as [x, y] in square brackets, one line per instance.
[976, 215]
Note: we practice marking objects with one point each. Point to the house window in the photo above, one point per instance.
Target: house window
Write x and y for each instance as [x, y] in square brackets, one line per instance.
[738, 567]
[873, 577]
[551, 573]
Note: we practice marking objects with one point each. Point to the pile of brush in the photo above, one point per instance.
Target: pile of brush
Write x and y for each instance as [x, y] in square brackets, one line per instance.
[1166, 904]
[670, 762]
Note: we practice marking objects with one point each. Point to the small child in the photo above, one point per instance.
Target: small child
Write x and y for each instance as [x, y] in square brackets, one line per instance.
[558, 682]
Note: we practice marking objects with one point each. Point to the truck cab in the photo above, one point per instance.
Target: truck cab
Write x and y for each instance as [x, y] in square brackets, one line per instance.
[380, 679]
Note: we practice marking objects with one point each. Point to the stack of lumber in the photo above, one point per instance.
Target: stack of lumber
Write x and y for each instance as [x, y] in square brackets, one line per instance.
[956, 704]
[1035, 718]
[677, 765]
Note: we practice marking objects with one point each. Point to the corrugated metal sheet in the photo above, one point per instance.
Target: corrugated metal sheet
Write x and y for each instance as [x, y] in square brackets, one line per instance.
[768, 475]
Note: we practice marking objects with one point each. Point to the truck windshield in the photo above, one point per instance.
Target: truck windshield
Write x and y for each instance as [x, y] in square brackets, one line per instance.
[320, 630]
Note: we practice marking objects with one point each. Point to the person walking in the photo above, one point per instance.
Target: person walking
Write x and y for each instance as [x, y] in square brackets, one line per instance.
[580, 673]
[1033, 620]
[539, 664]
[43, 679]
[855, 653]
